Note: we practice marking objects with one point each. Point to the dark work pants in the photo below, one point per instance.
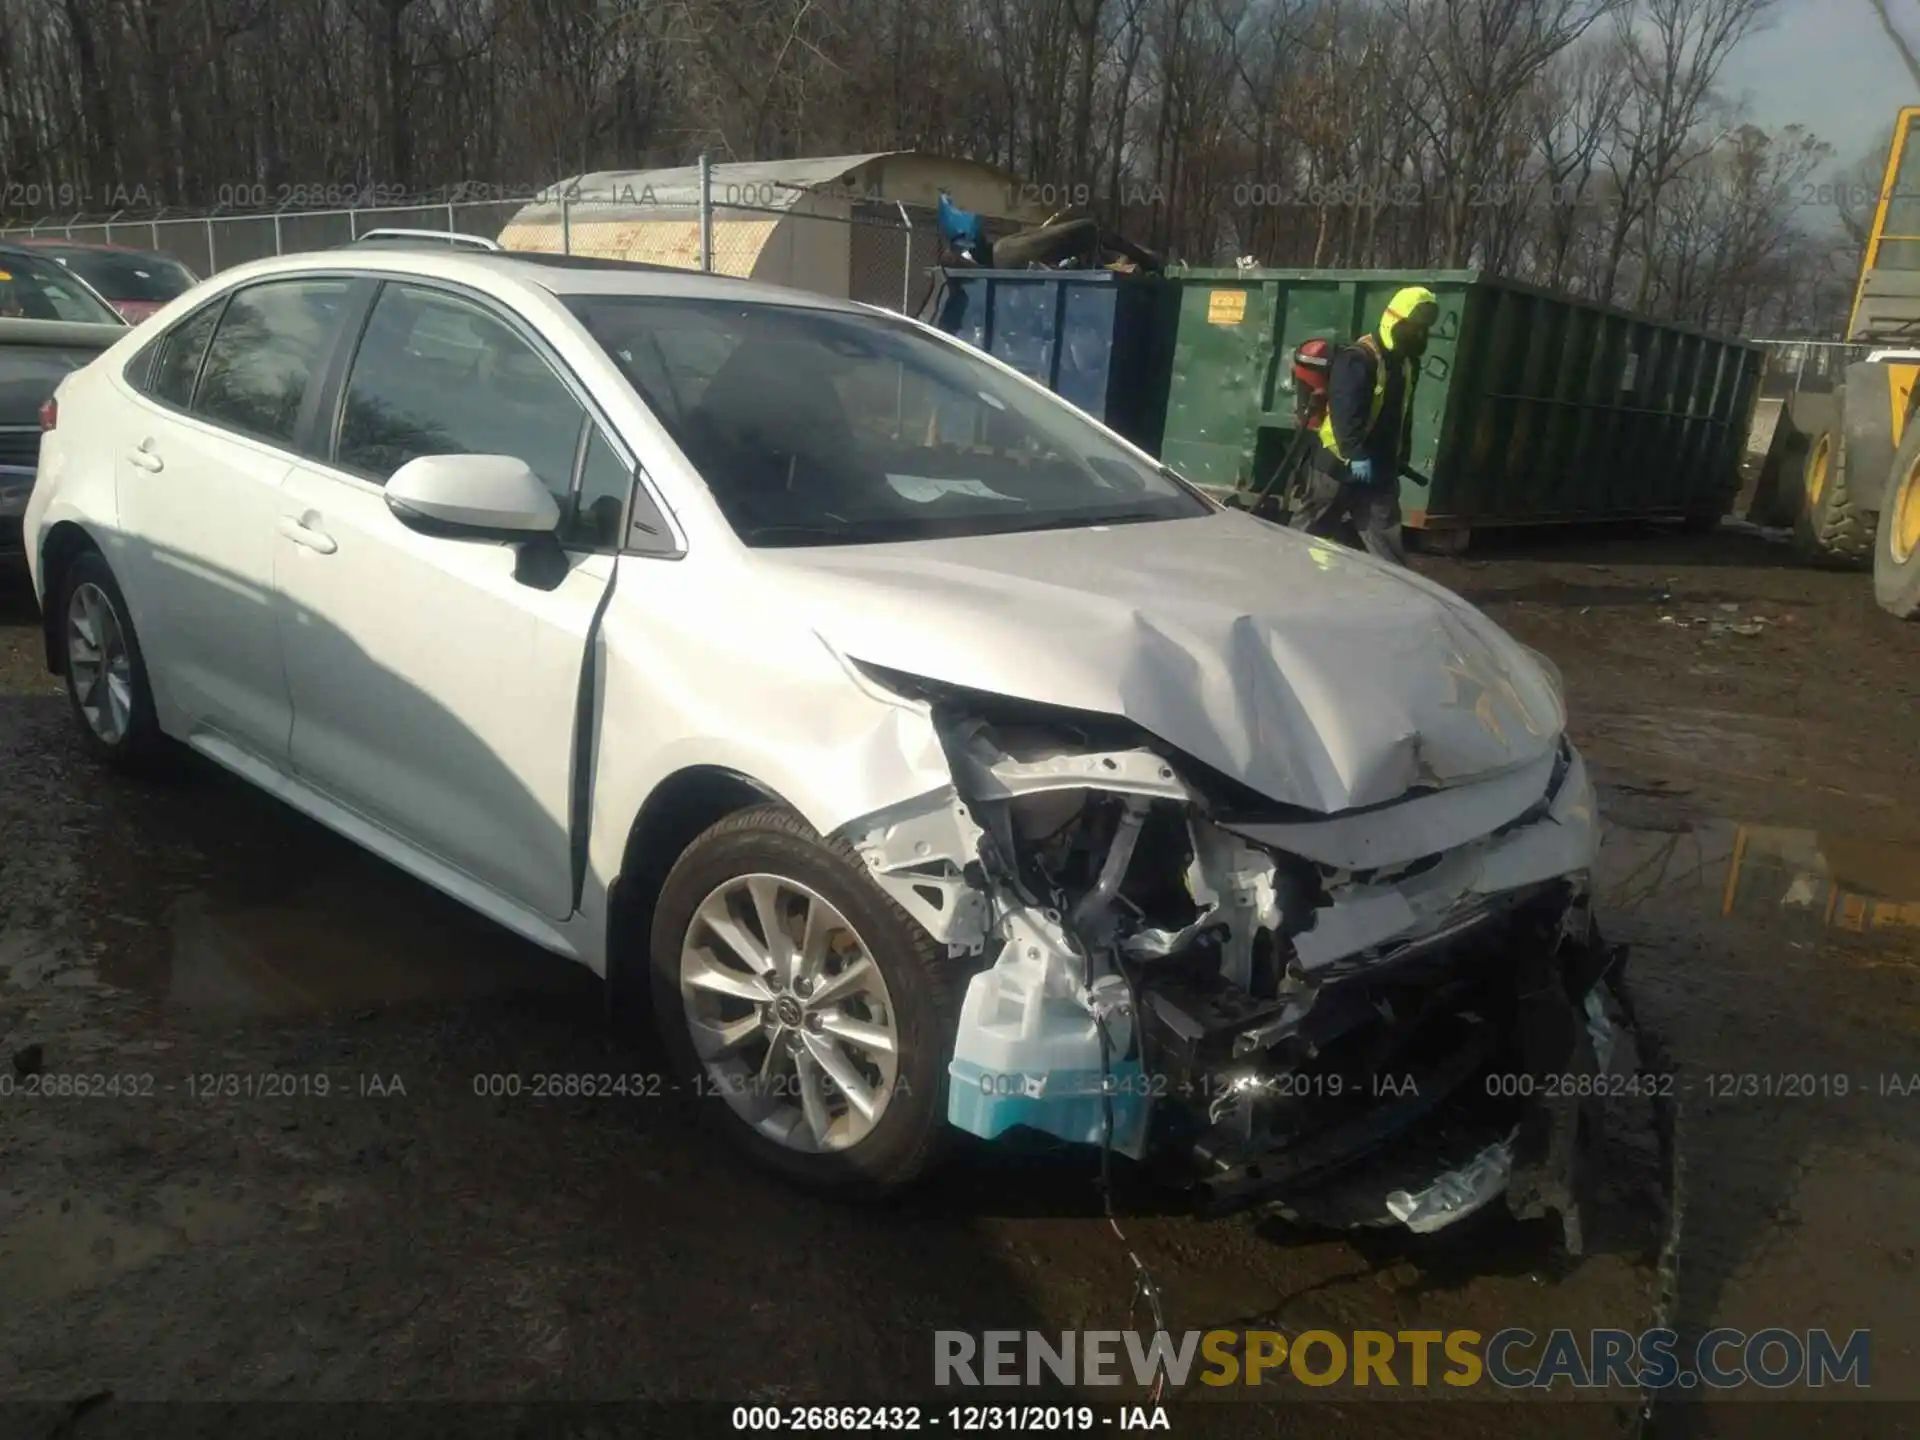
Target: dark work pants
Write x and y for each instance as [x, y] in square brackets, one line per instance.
[1371, 513]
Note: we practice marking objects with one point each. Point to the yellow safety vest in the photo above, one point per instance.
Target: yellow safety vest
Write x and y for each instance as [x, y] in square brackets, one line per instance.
[1368, 344]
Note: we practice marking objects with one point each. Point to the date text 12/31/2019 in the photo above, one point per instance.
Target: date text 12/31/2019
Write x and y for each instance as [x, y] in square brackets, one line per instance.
[1152, 1085]
[204, 1085]
[959, 1419]
[642, 1085]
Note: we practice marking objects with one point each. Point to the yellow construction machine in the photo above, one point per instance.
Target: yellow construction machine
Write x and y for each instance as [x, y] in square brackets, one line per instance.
[1843, 467]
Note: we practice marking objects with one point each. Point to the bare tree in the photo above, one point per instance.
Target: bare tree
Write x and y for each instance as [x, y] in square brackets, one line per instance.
[1572, 112]
[1539, 138]
[1475, 61]
[1899, 40]
[1672, 52]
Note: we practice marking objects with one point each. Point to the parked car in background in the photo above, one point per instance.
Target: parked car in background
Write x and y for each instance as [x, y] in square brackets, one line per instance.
[50, 325]
[134, 282]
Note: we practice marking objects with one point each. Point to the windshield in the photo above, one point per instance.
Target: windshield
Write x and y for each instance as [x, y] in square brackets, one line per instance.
[155, 278]
[36, 289]
[817, 427]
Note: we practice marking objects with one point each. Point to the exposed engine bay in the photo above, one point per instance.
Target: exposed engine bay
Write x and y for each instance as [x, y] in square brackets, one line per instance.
[1372, 1017]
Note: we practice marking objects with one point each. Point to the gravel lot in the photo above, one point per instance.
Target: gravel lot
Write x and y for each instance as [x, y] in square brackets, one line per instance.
[403, 1237]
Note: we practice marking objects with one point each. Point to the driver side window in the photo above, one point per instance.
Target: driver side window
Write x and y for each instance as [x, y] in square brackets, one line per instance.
[436, 374]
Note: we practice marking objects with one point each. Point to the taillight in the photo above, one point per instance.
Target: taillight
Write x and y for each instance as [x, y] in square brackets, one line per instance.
[49, 413]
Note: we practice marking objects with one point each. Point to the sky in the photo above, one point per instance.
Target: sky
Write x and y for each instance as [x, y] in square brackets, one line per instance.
[1827, 65]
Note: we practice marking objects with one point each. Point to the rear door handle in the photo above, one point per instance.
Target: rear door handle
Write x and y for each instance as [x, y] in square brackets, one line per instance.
[145, 459]
[306, 535]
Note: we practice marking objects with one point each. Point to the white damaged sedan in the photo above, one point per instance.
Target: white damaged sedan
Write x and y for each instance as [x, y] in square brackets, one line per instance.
[923, 755]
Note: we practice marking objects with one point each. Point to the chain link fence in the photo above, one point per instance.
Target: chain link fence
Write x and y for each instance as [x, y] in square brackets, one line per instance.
[877, 252]
[1806, 365]
[210, 243]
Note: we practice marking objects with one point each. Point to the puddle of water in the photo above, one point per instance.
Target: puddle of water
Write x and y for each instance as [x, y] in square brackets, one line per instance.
[1792, 880]
[360, 937]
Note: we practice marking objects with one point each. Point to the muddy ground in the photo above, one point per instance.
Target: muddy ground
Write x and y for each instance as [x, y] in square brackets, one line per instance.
[403, 1237]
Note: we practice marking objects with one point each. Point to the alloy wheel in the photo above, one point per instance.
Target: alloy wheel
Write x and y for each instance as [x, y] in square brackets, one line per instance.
[99, 665]
[789, 1013]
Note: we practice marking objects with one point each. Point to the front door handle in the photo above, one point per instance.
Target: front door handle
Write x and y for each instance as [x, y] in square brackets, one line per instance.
[145, 459]
[303, 534]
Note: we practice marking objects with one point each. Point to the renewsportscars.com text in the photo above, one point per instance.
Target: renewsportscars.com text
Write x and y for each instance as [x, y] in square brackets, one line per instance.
[1511, 1359]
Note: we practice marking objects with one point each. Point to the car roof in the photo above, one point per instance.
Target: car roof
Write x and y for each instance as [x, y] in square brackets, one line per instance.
[559, 275]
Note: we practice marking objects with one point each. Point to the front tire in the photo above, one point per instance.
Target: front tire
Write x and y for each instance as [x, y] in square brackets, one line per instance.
[105, 671]
[1832, 527]
[810, 1013]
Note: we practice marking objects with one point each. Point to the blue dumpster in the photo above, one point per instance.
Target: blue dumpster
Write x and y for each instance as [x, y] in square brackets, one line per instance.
[1096, 338]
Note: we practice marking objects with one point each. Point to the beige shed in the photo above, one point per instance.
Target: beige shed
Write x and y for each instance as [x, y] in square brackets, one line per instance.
[858, 227]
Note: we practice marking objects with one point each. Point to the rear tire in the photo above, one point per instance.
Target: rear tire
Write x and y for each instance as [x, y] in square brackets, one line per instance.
[1832, 527]
[775, 1106]
[106, 672]
[1896, 550]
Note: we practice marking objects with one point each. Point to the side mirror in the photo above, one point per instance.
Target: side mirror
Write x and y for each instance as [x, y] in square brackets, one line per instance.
[479, 497]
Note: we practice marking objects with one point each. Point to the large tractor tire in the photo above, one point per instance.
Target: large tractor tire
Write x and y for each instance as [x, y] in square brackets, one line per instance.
[1833, 527]
[1780, 493]
[1896, 552]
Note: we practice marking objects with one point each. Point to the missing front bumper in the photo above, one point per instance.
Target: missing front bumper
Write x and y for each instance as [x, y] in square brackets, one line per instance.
[1413, 1095]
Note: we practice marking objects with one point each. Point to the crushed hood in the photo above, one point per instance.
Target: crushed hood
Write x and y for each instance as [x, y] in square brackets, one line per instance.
[1312, 674]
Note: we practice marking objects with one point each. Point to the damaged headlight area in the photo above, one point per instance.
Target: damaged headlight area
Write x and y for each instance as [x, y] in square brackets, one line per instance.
[1321, 1014]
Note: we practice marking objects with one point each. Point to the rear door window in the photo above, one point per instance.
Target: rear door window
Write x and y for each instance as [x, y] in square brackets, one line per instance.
[177, 365]
[264, 355]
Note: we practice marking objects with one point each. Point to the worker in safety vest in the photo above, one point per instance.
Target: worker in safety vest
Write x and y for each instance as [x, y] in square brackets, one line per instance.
[1367, 435]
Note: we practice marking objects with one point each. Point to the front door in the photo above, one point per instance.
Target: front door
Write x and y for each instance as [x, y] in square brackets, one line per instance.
[433, 692]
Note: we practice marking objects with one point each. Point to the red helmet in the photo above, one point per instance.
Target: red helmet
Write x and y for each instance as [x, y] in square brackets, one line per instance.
[1311, 363]
[1312, 369]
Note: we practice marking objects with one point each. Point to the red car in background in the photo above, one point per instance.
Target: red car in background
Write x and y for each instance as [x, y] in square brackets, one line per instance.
[134, 282]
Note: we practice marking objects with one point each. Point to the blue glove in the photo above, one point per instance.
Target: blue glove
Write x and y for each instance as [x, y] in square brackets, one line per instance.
[1361, 472]
[959, 228]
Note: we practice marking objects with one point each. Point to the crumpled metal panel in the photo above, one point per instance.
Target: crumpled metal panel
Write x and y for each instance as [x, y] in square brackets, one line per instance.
[1310, 673]
[1456, 1194]
[1424, 825]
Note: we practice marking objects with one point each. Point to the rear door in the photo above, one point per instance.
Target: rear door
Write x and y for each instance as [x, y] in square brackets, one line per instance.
[199, 469]
[433, 692]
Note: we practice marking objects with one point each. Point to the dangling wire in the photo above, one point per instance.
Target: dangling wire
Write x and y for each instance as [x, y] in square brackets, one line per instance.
[1144, 1288]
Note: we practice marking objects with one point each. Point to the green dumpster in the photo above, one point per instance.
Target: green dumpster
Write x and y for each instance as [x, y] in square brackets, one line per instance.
[1531, 407]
